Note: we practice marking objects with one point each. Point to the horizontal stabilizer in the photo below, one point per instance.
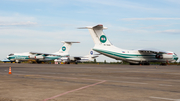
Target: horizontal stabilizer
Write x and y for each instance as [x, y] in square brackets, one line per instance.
[98, 35]
[91, 27]
[69, 42]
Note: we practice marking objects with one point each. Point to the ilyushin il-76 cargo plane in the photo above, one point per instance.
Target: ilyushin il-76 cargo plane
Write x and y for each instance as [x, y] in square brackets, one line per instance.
[41, 57]
[140, 56]
[76, 59]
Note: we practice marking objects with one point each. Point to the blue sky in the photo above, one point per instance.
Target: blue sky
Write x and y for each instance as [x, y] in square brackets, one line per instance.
[41, 25]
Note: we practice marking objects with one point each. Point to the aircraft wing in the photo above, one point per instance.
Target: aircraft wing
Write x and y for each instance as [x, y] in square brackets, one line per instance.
[95, 56]
[80, 57]
[154, 51]
[5, 60]
[46, 54]
[77, 58]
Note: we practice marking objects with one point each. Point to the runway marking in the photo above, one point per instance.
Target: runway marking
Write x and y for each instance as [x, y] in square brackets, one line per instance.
[74, 90]
[164, 98]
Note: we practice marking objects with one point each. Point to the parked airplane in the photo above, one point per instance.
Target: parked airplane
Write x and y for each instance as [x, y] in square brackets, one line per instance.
[5, 60]
[90, 57]
[41, 57]
[140, 56]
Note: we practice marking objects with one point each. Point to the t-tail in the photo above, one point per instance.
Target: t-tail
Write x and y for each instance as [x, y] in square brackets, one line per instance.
[66, 46]
[97, 34]
[91, 56]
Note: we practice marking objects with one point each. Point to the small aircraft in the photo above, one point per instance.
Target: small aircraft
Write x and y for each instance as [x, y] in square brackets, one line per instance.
[41, 57]
[87, 58]
[134, 57]
[5, 60]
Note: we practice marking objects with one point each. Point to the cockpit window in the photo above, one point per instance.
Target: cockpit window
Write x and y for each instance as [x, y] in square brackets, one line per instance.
[10, 54]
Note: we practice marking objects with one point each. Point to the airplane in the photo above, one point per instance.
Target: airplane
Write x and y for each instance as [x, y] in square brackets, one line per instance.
[87, 58]
[5, 60]
[41, 57]
[133, 57]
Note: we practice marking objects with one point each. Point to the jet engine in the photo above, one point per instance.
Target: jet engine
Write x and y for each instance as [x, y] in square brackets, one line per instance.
[164, 56]
[39, 57]
[168, 56]
[32, 56]
[36, 57]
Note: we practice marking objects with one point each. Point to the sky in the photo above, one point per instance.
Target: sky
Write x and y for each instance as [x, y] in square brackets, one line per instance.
[41, 25]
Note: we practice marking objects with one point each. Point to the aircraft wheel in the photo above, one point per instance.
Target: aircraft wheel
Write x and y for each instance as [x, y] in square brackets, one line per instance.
[147, 63]
[163, 64]
[134, 63]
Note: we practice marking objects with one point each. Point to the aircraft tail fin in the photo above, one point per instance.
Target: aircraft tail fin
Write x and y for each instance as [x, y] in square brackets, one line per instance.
[66, 46]
[91, 55]
[97, 34]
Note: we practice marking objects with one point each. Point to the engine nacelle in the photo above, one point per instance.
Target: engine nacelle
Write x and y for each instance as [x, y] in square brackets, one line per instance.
[36, 57]
[32, 56]
[164, 56]
[167, 56]
[159, 56]
[39, 57]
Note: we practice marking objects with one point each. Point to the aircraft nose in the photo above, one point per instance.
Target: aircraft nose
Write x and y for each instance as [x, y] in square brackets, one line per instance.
[7, 57]
[176, 58]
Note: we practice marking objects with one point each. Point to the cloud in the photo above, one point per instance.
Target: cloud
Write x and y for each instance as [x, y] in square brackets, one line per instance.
[171, 31]
[18, 23]
[119, 3]
[17, 33]
[16, 18]
[131, 19]
[174, 1]
[129, 30]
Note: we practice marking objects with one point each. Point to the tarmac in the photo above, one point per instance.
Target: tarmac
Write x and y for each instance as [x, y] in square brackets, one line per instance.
[89, 82]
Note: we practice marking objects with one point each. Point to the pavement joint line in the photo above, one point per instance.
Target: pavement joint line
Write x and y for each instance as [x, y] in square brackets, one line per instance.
[127, 82]
[164, 98]
[59, 77]
[74, 90]
[134, 78]
[90, 79]
[93, 79]
[101, 80]
[165, 85]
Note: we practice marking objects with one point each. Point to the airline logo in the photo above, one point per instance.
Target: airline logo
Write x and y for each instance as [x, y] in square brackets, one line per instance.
[63, 48]
[91, 52]
[103, 38]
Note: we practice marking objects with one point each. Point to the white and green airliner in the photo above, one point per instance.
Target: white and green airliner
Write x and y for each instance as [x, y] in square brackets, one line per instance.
[41, 57]
[140, 56]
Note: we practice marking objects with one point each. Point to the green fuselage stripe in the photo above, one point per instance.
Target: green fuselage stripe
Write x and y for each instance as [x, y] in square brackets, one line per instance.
[121, 55]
